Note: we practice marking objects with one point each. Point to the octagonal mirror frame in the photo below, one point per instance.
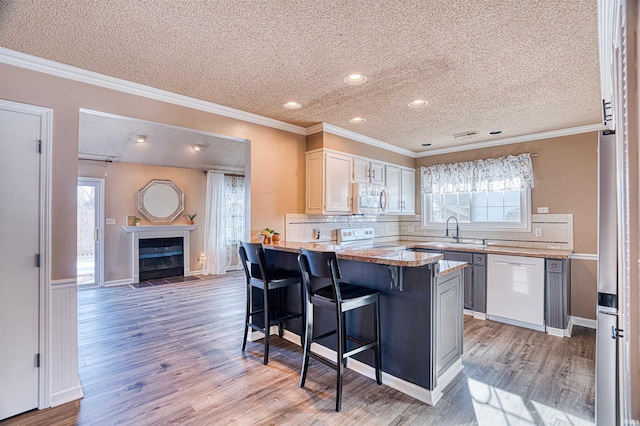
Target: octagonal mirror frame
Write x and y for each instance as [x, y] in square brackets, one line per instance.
[160, 200]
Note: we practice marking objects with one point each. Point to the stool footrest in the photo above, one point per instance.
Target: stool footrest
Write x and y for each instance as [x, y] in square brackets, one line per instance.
[359, 349]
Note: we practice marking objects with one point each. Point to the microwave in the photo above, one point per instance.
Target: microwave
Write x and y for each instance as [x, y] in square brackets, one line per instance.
[369, 199]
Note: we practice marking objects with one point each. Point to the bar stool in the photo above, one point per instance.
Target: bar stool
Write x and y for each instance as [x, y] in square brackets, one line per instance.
[340, 297]
[259, 275]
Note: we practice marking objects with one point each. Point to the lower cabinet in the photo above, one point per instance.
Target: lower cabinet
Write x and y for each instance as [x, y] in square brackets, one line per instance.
[449, 321]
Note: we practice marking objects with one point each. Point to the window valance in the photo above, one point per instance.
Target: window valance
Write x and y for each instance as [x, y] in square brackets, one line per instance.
[493, 174]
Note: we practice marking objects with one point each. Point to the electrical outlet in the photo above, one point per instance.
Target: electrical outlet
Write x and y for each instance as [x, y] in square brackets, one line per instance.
[111, 221]
[538, 232]
[543, 209]
[410, 228]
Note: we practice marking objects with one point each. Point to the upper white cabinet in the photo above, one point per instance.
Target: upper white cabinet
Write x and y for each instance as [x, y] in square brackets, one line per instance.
[328, 185]
[365, 171]
[401, 184]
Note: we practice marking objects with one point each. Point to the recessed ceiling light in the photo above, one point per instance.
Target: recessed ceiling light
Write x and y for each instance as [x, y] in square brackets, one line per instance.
[199, 147]
[355, 79]
[357, 120]
[418, 103]
[141, 138]
[426, 144]
[495, 132]
[292, 105]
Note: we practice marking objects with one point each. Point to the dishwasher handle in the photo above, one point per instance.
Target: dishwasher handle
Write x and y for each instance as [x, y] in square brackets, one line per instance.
[524, 265]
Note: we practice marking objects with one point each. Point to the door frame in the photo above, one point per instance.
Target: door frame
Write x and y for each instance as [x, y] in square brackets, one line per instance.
[44, 338]
[100, 222]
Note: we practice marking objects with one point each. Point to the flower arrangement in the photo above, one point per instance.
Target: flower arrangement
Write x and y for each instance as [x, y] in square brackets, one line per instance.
[136, 221]
[267, 233]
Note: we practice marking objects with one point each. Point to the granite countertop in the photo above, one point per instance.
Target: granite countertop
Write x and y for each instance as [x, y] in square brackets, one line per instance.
[393, 256]
[436, 245]
[489, 249]
[449, 266]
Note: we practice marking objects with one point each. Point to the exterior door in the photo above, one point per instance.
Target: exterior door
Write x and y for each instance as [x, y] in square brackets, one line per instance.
[90, 232]
[19, 259]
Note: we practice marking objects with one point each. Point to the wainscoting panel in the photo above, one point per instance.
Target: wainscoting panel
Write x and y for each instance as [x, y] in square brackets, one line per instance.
[65, 385]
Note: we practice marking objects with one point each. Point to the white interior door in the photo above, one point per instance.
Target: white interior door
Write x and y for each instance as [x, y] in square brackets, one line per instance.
[19, 272]
[90, 232]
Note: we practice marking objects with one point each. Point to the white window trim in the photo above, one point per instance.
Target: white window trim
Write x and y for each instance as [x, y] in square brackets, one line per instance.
[524, 226]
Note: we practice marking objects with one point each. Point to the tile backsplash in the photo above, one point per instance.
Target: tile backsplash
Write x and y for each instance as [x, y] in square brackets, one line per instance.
[557, 230]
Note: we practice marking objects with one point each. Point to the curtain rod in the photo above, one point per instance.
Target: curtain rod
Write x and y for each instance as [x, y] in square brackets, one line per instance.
[224, 173]
[105, 161]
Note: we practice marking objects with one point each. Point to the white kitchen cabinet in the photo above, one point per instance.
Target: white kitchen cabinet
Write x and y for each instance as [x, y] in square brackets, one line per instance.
[328, 184]
[515, 290]
[401, 184]
[365, 171]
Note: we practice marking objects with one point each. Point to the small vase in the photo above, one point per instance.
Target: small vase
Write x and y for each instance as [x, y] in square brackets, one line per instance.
[189, 222]
[275, 238]
[267, 239]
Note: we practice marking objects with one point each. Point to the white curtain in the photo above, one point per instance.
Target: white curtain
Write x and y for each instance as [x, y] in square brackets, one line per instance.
[215, 241]
[492, 174]
[234, 208]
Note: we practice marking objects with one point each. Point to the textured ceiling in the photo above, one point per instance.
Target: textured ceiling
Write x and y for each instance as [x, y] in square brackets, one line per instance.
[113, 137]
[522, 67]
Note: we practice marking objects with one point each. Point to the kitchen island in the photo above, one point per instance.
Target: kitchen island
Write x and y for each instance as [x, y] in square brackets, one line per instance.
[421, 320]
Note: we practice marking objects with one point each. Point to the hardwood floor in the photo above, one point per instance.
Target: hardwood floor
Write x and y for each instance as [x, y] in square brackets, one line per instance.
[170, 354]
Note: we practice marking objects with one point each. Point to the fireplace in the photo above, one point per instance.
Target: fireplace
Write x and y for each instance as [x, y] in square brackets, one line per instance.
[160, 258]
[163, 232]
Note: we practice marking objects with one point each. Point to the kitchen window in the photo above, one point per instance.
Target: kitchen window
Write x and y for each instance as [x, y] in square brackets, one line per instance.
[492, 194]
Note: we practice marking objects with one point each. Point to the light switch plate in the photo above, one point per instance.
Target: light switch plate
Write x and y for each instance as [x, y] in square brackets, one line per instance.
[538, 232]
[410, 228]
[111, 221]
[543, 209]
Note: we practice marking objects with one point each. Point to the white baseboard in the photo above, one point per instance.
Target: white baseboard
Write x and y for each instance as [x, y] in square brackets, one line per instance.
[480, 315]
[583, 322]
[558, 332]
[67, 395]
[411, 389]
[114, 283]
[467, 312]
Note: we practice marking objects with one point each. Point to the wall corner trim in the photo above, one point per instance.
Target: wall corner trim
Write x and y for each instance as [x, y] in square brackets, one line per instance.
[35, 63]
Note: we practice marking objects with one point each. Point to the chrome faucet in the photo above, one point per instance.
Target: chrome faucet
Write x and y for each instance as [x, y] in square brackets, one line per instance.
[457, 237]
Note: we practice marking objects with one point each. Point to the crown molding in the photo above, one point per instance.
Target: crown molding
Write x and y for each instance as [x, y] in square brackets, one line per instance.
[316, 128]
[516, 139]
[35, 63]
[328, 128]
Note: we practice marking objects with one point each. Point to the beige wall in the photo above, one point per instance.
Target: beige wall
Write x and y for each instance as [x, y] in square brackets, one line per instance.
[566, 178]
[122, 182]
[342, 144]
[275, 166]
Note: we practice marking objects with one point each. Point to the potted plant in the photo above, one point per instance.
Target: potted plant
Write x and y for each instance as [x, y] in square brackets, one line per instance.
[136, 221]
[190, 217]
[276, 237]
[267, 233]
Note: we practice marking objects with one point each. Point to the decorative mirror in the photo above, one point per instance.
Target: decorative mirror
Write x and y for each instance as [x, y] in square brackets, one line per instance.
[160, 201]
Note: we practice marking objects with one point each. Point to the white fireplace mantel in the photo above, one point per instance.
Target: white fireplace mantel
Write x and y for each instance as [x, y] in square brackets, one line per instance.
[157, 231]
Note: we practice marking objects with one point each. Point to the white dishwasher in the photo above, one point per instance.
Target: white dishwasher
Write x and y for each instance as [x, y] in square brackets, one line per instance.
[515, 290]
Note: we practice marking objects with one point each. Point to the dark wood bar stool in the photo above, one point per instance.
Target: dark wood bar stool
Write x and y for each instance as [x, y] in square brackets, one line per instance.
[340, 297]
[271, 281]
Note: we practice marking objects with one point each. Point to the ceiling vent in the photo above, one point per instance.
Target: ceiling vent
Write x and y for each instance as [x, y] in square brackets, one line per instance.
[465, 136]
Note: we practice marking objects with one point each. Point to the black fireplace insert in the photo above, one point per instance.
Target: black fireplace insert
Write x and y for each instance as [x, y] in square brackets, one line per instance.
[161, 258]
